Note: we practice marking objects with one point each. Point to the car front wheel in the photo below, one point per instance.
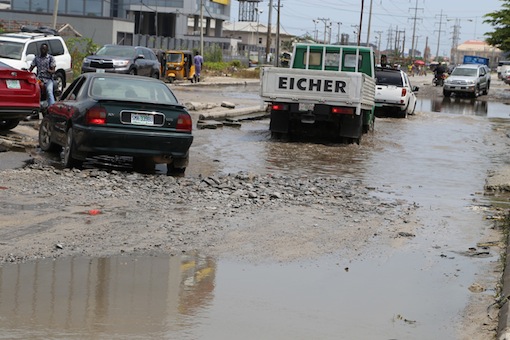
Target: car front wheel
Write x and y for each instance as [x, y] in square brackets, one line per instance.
[68, 160]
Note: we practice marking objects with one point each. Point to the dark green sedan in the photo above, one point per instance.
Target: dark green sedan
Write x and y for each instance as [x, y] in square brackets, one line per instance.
[118, 115]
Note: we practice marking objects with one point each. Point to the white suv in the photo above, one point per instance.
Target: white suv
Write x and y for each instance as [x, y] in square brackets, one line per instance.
[19, 49]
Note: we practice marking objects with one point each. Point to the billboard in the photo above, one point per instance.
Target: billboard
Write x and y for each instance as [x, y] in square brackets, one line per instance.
[223, 2]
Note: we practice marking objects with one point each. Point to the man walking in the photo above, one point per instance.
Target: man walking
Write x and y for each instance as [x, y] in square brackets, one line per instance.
[45, 64]
[197, 61]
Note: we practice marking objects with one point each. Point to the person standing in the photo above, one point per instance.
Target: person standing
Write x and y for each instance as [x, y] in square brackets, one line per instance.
[45, 64]
[198, 61]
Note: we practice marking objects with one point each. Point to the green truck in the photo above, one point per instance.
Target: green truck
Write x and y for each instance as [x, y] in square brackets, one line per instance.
[328, 91]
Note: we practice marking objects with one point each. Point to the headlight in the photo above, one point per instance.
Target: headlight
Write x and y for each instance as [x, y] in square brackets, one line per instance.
[470, 82]
[86, 61]
[448, 81]
[120, 63]
[178, 68]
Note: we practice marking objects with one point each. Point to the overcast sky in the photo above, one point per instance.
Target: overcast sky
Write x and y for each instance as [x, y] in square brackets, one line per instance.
[387, 15]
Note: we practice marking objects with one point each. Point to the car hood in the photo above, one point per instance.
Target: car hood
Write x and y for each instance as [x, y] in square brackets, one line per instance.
[106, 57]
[461, 78]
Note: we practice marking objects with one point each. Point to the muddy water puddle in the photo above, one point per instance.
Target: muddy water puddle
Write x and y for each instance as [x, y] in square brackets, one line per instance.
[190, 297]
[416, 288]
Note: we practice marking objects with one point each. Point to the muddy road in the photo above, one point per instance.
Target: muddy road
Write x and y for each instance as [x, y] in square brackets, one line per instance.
[391, 239]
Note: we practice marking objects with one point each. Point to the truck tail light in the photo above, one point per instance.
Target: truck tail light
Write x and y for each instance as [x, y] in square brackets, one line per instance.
[96, 115]
[342, 110]
[184, 122]
[404, 92]
[279, 107]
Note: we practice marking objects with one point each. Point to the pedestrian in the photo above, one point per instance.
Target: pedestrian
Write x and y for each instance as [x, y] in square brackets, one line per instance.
[45, 64]
[198, 61]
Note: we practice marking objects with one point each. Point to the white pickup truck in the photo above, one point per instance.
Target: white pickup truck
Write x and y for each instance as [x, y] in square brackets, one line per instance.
[394, 93]
[328, 91]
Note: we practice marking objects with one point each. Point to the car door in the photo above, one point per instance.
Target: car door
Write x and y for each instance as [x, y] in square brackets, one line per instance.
[482, 78]
[410, 94]
[61, 113]
[141, 62]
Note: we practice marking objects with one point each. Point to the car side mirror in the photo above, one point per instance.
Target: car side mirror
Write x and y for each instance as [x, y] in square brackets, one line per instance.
[30, 58]
[140, 56]
[415, 88]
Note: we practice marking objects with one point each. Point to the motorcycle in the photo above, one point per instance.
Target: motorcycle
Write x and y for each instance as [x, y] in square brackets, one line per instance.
[439, 80]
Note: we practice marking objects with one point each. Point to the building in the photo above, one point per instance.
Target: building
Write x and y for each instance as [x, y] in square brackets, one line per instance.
[253, 36]
[126, 21]
[477, 48]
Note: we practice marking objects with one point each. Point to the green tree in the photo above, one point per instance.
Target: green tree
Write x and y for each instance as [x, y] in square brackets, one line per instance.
[79, 48]
[500, 20]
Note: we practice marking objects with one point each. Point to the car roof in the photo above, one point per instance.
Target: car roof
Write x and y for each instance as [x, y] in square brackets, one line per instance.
[470, 65]
[118, 75]
[24, 36]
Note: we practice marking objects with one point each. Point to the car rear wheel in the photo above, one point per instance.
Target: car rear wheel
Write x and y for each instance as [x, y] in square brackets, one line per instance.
[132, 72]
[177, 167]
[45, 142]
[68, 160]
[8, 124]
[155, 75]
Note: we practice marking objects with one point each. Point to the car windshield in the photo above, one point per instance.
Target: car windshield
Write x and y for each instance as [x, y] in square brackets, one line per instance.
[118, 51]
[388, 78]
[464, 72]
[119, 88]
[174, 57]
[10, 49]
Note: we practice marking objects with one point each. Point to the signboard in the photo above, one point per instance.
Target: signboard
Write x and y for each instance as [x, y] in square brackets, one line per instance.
[223, 2]
[471, 59]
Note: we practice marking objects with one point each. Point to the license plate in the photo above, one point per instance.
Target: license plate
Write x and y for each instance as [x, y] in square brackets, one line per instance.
[100, 70]
[13, 84]
[306, 107]
[141, 119]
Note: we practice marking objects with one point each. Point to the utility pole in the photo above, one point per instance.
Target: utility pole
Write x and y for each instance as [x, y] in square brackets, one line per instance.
[338, 35]
[325, 21]
[439, 34]
[269, 29]
[379, 33]
[360, 21]
[202, 27]
[55, 12]
[425, 50]
[277, 59]
[415, 18]
[390, 39]
[369, 22]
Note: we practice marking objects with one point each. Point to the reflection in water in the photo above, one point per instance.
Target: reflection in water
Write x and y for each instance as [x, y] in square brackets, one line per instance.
[464, 106]
[144, 296]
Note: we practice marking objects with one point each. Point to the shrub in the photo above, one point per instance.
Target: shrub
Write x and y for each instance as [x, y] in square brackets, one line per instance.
[79, 48]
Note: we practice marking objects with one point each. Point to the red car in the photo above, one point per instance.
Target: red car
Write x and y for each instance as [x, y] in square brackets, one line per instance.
[19, 96]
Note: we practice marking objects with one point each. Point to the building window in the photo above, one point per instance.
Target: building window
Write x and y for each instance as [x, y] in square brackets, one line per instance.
[94, 8]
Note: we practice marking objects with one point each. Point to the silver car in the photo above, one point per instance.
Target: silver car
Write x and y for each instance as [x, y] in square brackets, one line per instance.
[467, 79]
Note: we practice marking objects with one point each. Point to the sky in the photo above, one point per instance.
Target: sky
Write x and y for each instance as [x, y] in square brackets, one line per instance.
[297, 17]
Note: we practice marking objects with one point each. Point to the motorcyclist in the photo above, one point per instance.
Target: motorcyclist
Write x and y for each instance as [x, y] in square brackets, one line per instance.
[45, 64]
[439, 71]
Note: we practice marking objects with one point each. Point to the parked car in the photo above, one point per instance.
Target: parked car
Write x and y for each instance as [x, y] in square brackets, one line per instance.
[503, 64]
[19, 49]
[118, 115]
[394, 93]
[19, 96]
[467, 79]
[135, 60]
[505, 76]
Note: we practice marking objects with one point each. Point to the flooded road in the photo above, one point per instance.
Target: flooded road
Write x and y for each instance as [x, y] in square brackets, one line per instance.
[414, 287]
